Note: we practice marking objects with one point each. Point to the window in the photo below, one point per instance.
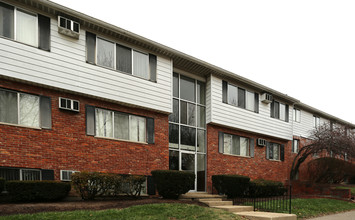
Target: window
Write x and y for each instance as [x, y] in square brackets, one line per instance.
[279, 111]
[316, 121]
[11, 173]
[65, 175]
[295, 145]
[124, 59]
[240, 97]
[119, 125]
[24, 109]
[236, 145]
[275, 151]
[296, 115]
[25, 27]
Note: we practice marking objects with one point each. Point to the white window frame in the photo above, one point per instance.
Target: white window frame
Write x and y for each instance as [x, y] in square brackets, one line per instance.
[18, 94]
[114, 57]
[295, 143]
[237, 97]
[296, 115]
[16, 9]
[21, 173]
[129, 124]
[316, 121]
[61, 174]
[231, 137]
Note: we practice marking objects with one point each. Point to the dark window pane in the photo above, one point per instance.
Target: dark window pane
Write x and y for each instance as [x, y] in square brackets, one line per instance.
[45, 112]
[69, 24]
[188, 138]
[174, 117]
[232, 95]
[191, 114]
[201, 141]
[153, 67]
[10, 173]
[173, 136]
[76, 27]
[121, 126]
[6, 20]
[76, 105]
[123, 59]
[8, 107]
[201, 93]
[277, 110]
[44, 32]
[62, 22]
[68, 103]
[63, 103]
[187, 88]
[201, 116]
[241, 98]
[90, 47]
[173, 160]
[176, 85]
[183, 112]
[201, 169]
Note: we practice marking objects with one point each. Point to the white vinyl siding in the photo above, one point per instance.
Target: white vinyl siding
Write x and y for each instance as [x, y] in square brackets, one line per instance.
[65, 68]
[228, 115]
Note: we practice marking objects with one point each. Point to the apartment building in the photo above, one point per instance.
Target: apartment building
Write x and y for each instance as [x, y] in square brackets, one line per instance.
[79, 94]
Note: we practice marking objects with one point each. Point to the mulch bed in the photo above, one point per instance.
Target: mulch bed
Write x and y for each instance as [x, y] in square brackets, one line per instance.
[25, 208]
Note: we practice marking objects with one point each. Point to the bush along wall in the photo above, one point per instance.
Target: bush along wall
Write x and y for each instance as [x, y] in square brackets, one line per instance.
[266, 188]
[231, 185]
[36, 191]
[172, 183]
[2, 184]
[93, 184]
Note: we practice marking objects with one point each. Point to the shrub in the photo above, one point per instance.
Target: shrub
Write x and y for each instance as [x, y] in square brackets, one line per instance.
[231, 185]
[92, 184]
[37, 191]
[172, 183]
[266, 188]
[2, 184]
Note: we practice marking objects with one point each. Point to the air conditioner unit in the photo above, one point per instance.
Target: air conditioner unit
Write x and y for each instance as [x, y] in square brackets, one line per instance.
[69, 104]
[65, 175]
[261, 142]
[266, 98]
[68, 27]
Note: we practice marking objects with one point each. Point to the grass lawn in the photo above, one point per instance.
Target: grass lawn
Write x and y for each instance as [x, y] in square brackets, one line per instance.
[344, 187]
[151, 211]
[306, 208]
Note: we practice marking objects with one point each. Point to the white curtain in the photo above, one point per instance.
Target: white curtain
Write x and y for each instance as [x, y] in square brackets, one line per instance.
[29, 110]
[282, 112]
[121, 126]
[105, 53]
[137, 128]
[227, 144]
[103, 123]
[244, 146]
[232, 95]
[140, 64]
[276, 155]
[26, 28]
[8, 107]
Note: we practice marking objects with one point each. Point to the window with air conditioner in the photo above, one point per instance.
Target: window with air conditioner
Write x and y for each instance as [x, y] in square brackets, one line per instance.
[68, 27]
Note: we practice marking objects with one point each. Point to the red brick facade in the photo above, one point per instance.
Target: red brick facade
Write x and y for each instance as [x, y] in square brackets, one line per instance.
[257, 167]
[66, 146]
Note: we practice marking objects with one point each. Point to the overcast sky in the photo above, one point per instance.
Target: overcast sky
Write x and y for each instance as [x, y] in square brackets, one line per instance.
[303, 48]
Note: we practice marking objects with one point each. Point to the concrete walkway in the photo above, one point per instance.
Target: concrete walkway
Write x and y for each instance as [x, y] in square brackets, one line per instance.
[340, 216]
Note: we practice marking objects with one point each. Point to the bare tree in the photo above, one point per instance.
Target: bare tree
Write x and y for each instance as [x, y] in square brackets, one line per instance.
[336, 140]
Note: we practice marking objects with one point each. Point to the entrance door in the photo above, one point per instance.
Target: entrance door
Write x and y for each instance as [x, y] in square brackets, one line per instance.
[188, 164]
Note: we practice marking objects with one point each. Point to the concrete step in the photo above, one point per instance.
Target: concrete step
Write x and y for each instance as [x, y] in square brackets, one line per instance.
[199, 195]
[210, 199]
[266, 216]
[218, 203]
[235, 208]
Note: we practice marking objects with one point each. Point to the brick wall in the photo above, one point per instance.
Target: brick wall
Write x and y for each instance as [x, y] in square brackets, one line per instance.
[256, 168]
[66, 145]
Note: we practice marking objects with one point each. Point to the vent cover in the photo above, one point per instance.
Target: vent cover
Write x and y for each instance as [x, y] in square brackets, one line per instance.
[261, 142]
[266, 98]
[68, 27]
[69, 104]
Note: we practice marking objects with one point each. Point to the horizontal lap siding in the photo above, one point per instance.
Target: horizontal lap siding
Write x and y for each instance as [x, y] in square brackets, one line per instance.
[235, 117]
[65, 67]
[305, 126]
